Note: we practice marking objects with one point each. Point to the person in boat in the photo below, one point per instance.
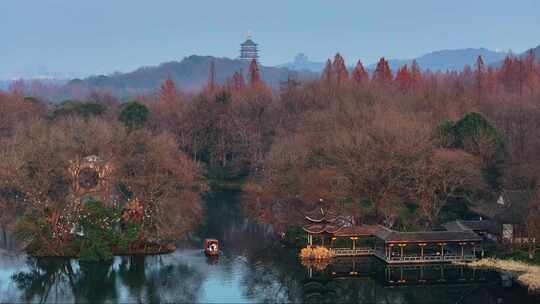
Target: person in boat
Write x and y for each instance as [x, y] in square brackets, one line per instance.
[211, 247]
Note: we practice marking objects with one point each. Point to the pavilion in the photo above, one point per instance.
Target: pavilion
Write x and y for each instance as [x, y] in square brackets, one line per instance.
[460, 243]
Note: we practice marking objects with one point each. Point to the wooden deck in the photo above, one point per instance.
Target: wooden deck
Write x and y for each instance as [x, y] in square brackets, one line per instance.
[349, 252]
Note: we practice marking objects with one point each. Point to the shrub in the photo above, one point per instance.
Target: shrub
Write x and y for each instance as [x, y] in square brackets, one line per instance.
[133, 115]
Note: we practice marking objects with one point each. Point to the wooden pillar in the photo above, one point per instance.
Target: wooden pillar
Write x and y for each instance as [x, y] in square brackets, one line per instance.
[462, 250]
[442, 250]
[354, 242]
[310, 240]
[422, 245]
[401, 250]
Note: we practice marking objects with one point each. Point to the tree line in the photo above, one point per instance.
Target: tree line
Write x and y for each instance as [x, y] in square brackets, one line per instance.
[405, 150]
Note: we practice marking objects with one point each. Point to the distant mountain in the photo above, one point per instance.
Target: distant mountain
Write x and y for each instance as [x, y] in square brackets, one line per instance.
[535, 50]
[190, 75]
[449, 59]
[435, 61]
[301, 63]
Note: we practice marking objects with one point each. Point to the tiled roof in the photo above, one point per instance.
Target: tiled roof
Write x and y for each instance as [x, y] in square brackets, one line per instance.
[392, 236]
[365, 230]
[478, 225]
[322, 228]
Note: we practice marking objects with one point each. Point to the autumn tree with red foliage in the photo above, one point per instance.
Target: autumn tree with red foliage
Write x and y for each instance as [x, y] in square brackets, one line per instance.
[168, 92]
[340, 69]
[254, 74]
[236, 82]
[416, 75]
[328, 73]
[359, 74]
[383, 74]
[404, 78]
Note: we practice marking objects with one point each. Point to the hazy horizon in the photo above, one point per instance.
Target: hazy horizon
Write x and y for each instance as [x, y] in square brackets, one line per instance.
[74, 38]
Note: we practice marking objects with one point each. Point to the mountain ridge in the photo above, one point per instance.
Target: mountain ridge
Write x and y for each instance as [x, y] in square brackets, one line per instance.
[190, 74]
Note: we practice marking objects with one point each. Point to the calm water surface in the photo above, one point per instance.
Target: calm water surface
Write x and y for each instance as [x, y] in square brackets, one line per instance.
[253, 269]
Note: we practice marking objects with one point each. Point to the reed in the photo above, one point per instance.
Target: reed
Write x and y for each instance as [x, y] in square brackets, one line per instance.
[526, 274]
[317, 253]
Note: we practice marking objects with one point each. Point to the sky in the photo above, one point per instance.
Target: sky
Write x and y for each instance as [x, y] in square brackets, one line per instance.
[83, 37]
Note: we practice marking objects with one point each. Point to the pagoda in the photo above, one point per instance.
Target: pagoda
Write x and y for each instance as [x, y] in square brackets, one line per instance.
[321, 221]
[249, 50]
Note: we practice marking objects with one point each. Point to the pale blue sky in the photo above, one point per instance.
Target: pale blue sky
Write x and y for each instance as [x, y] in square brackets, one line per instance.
[102, 36]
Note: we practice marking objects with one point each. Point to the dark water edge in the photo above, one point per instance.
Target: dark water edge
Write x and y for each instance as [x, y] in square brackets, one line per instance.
[254, 268]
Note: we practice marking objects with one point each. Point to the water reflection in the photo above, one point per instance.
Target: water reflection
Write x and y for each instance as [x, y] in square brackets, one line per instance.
[253, 269]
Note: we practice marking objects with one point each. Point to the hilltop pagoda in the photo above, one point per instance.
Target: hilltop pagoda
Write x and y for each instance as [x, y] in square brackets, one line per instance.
[249, 50]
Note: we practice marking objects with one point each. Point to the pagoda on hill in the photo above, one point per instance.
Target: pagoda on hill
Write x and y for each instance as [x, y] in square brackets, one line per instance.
[249, 50]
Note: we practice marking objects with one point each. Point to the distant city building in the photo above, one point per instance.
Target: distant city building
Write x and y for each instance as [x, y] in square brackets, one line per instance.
[249, 50]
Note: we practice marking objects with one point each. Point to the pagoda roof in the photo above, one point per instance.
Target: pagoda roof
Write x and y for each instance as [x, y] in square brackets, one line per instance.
[249, 42]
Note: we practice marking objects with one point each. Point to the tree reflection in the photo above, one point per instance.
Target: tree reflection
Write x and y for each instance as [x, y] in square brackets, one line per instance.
[46, 275]
[146, 279]
[95, 283]
[58, 280]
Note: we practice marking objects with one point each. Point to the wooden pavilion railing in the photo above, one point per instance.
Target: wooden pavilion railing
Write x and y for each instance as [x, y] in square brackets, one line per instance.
[427, 258]
[352, 252]
[404, 259]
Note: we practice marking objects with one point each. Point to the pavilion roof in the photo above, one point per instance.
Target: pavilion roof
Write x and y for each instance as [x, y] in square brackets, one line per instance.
[249, 42]
[392, 236]
[474, 225]
[319, 214]
[322, 228]
[360, 230]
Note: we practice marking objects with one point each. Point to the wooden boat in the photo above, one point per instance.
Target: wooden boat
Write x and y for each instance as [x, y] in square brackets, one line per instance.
[211, 247]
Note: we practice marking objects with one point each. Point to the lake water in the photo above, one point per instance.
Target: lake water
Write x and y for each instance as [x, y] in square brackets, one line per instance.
[254, 268]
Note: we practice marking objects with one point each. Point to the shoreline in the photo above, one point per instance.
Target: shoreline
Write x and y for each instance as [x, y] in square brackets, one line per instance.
[527, 275]
[148, 251]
